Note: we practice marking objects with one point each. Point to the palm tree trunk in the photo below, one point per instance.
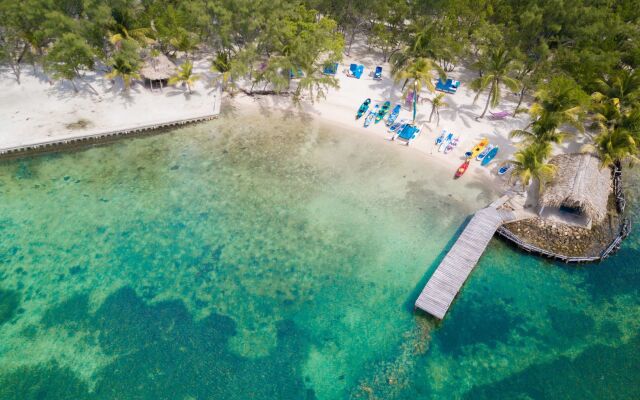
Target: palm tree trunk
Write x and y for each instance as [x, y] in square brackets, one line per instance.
[522, 93]
[486, 106]
[433, 110]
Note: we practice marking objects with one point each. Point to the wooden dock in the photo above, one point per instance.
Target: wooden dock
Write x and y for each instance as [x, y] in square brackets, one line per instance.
[447, 280]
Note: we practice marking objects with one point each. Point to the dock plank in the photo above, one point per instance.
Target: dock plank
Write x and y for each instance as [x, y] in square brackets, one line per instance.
[454, 269]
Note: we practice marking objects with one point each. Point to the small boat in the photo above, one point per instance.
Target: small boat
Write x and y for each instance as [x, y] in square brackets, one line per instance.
[452, 145]
[484, 152]
[394, 115]
[479, 147]
[371, 116]
[490, 156]
[383, 111]
[397, 125]
[505, 168]
[363, 108]
[440, 138]
[463, 168]
[445, 142]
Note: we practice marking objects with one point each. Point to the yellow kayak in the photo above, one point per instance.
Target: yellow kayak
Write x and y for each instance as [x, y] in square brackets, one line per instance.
[479, 147]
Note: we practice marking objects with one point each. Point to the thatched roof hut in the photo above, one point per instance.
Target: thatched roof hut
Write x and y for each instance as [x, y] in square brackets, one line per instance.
[580, 184]
[158, 68]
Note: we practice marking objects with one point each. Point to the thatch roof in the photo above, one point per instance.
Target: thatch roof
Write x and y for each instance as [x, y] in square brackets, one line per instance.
[579, 183]
[157, 68]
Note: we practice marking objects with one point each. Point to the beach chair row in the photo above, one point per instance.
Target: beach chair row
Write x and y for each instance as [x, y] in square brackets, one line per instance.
[355, 71]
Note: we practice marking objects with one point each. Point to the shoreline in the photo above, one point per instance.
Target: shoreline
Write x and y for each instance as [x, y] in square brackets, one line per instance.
[40, 115]
[73, 141]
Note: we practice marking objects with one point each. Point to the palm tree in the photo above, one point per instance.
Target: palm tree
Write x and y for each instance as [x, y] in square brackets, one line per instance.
[560, 101]
[436, 104]
[222, 65]
[623, 85]
[529, 164]
[184, 40]
[420, 73]
[614, 146]
[540, 132]
[184, 75]
[496, 67]
[140, 35]
[124, 71]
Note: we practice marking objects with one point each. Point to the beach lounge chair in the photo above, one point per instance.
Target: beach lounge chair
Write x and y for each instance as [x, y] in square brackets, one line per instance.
[499, 115]
[450, 86]
[378, 73]
[355, 70]
[408, 133]
[295, 74]
[330, 69]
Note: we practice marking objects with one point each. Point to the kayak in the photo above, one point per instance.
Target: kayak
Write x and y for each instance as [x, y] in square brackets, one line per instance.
[394, 115]
[363, 108]
[445, 142]
[490, 155]
[463, 168]
[505, 168]
[440, 138]
[484, 152]
[452, 145]
[383, 111]
[370, 116]
[397, 126]
[479, 147]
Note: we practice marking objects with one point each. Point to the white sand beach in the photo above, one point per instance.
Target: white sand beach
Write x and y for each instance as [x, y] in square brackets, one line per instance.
[340, 106]
[39, 111]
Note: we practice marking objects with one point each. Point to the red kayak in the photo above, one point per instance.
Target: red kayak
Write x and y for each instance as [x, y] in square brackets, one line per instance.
[463, 168]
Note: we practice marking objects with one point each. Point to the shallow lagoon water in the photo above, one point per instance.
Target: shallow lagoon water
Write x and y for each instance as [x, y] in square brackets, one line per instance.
[268, 257]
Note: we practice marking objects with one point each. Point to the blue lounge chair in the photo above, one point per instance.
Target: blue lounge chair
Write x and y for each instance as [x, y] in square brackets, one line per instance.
[378, 73]
[408, 133]
[295, 75]
[331, 69]
[450, 86]
[355, 70]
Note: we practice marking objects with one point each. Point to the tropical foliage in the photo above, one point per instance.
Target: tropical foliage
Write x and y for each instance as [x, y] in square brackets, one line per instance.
[529, 164]
[184, 76]
[416, 74]
[437, 102]
[496, 65]
[558, 51]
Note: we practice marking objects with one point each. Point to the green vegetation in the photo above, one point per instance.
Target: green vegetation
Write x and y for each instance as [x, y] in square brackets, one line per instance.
[436, 104]
[530, 164]
[496, 65]
[417, 73]
[560, 52]
[184, 75]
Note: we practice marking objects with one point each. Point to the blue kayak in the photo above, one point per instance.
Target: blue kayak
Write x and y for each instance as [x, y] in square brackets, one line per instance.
[489, 156]
[371, 116]
[394, 115]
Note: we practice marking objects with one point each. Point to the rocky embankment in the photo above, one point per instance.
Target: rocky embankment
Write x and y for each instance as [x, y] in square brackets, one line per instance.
[564, 239]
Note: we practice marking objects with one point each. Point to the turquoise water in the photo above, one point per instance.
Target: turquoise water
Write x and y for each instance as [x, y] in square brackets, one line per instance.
[274, 258]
